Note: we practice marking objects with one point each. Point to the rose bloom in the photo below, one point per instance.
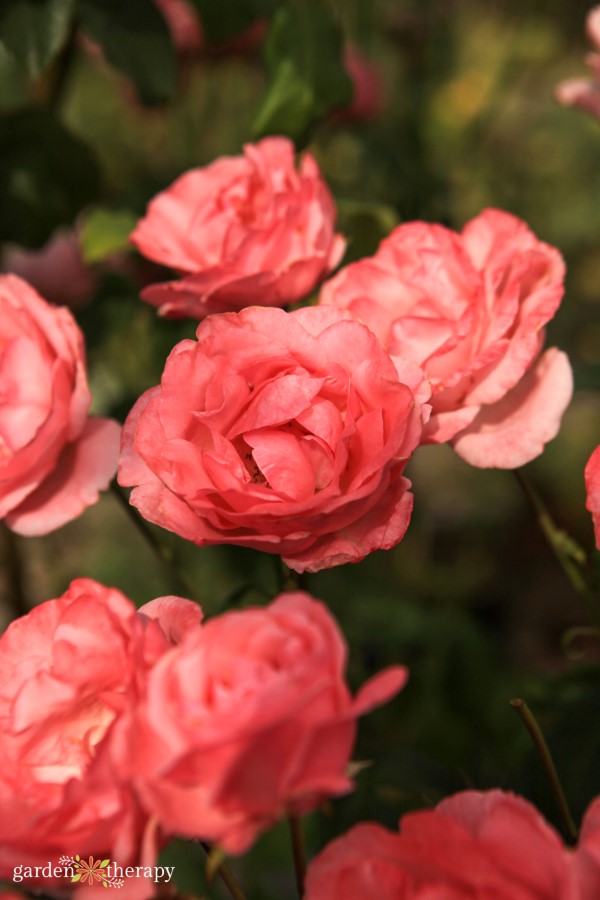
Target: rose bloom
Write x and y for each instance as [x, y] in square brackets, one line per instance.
[368, 100]
[592, 485]
[54, 458]
[584, 93]
[470, 308]
[184, 25]
[250, 719]
[290, 435]
[69, 670]
[57, 270]
[250, 229]
[487, 845]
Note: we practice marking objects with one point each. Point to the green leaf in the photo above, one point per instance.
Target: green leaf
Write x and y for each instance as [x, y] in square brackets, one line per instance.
[75, 878]
[307, 78]
[35, 30]
[104, 863]
[364, 224]
[47, 175]
[226, 19]
[77, 857]
[136, 41]
[105, 232]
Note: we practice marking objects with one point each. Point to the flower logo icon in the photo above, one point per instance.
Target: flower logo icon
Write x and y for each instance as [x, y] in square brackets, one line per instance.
[91, 871]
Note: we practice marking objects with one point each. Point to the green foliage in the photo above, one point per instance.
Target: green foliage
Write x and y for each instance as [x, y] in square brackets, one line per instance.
[35, 30]
[135, 39]
[307, 78]
[47, 175]
[106, 231]
[229, 18]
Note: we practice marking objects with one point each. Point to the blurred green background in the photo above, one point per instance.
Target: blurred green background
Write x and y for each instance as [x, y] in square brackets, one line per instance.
[472, 600]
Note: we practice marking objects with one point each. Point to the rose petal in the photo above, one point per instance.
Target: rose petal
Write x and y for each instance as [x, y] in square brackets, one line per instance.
[84, 468]
[514, 431]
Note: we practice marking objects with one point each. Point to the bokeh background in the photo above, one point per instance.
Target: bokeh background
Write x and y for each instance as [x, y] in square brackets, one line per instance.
[461, 116]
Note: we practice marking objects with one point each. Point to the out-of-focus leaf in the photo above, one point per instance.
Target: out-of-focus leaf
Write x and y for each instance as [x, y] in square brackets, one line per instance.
[135, 39]
[307, 78]
[229, 18]
[106, 231]
[364, 224]
[35, 30]
[47, 175]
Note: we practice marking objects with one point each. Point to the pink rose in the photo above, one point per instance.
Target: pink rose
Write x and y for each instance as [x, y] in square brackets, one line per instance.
[475, 844]
[184, 25]
[470, 309]
[69, 671]
[361, 865]
[57, 270]
[54, 458]
[250, 719]
[367, 101]
[290, 435]
[245, 230]
[592, 486]
[584, 93]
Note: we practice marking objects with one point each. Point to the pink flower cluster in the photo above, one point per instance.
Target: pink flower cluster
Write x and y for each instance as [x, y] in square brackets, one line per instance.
[473, 845]
[122, 727]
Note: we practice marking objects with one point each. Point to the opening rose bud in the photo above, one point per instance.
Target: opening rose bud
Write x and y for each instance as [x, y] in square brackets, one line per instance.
[54, 458]
[250, 719]
[287, 432]
[245, 230]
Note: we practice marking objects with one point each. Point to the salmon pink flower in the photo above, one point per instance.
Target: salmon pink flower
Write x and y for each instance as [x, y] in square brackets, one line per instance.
[54, 458]
[592, 484]
[250, 719]
[70, 672]
[245, 230]
[473, 845]
[470, 308]
[291, 436]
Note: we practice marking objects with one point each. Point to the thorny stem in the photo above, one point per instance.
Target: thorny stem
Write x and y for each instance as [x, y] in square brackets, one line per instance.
[568, 553]
[227, 876]
[539, 742]
[13, 565]
[162, 552]
[298, 852]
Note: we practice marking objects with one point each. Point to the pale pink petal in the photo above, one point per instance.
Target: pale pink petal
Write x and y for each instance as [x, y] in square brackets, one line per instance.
[84, 468]
[514, 431]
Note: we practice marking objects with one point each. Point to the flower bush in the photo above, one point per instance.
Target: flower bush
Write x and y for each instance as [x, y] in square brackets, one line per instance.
[283, 436]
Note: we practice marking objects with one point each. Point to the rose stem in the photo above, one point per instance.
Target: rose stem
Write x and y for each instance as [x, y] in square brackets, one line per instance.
[163, 553]
[226, 875]
[286, 578]
[13, 562]
[568, 553]
[298, 852]
[539, 742]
